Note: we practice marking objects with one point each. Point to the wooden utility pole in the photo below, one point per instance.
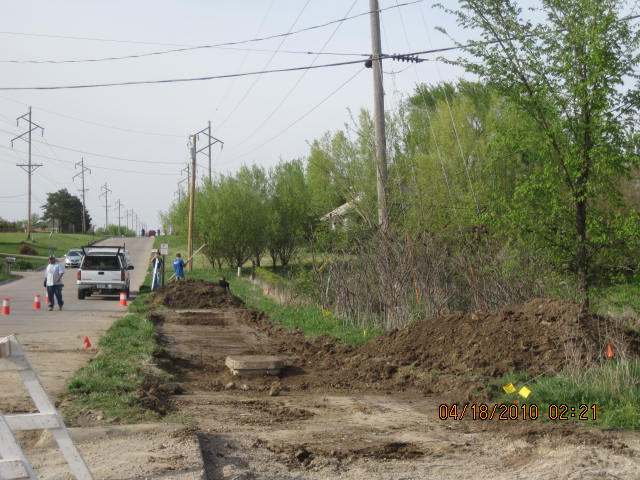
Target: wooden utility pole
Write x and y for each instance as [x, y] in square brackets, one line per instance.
[28, 167]
[83, 190]
[378, 112]
[192, 201]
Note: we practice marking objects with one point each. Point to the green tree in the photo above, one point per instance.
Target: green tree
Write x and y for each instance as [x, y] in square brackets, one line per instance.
[566, 68]
[291, 219]
[66, 211]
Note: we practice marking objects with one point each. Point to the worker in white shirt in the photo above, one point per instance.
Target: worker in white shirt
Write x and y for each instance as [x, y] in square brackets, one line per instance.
[53, 282]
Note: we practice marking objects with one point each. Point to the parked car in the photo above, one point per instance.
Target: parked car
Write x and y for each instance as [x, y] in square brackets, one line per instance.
[73, 258]
[151, 233]
[104, 271]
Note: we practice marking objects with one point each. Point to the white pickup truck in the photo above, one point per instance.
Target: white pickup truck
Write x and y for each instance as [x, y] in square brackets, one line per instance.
[103, 271]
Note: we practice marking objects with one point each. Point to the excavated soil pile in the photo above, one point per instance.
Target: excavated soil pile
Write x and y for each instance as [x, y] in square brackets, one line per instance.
[194, 294]
[456, 352]
[540, 336]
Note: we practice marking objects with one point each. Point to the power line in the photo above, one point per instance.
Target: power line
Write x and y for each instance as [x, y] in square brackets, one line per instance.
[242, 49]
[97, 124]
[228, 75]
[194, 47]
[244, 58]
[102, 155]
[147, 172]
[295, 85]
[266, 65]
[300, 118]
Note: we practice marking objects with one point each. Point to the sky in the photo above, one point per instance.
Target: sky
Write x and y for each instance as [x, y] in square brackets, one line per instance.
[134, 138]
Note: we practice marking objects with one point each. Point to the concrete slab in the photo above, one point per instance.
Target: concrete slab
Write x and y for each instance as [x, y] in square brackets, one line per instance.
[255, 364]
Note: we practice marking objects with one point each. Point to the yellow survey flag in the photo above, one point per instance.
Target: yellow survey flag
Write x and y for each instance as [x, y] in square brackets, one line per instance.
[509, 388]
[524, 392]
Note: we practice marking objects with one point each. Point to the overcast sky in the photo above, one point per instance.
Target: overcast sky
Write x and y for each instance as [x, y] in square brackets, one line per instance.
[239, 109]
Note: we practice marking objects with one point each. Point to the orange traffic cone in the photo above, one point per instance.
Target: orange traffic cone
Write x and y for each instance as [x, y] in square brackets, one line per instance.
[6, 307]
[46, 298]
[123, 299]
[86, 343]
[36, 303]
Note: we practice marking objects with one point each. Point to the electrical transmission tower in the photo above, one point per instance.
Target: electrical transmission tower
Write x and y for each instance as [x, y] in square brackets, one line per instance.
[119, 205]
[83, 190]
[105, 193]
[211, 141]
[28, 167]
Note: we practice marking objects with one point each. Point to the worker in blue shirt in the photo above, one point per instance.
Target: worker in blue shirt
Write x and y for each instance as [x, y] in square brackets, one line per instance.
[178, 267]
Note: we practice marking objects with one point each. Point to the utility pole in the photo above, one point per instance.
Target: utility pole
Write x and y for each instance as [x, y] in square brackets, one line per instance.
[105, 193]
[29, 167]
[119, 204]
[211, 140]
[126, 214]
[378, 100]
[192, 200]
[187, 179]
[83, 190]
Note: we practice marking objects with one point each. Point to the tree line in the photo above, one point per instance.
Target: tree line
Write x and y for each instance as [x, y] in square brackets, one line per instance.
[534, 164]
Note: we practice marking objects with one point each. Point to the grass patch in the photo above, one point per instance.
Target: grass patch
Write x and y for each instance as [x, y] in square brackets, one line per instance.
[617, 300]
[43, 243]
[110, 382]
[613, 386]
[5, 276]
[311, 319]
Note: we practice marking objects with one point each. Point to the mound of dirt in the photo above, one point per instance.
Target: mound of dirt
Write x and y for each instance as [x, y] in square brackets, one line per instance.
[453, 353]
[194, 294]
[540, 336]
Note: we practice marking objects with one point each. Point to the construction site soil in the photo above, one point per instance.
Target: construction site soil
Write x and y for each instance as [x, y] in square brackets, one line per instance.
[453, 354]
[370, 411]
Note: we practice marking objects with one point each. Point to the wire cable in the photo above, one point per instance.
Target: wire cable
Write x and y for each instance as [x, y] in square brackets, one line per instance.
[299, 119]
[295, 85]
[190, 48]
[101, 155]
[70, 162]
[266, 65]
[228, 75]
[91, 122]
[229, 88]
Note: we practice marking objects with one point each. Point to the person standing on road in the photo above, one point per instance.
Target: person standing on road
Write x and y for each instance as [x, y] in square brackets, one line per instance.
[178, 267]
[53, 282]
[156, 264]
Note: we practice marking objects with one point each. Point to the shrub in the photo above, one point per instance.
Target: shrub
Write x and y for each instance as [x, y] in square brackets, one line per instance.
[26, 249]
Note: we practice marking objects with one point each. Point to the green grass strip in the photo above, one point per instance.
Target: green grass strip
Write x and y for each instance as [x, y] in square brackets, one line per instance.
[614, 387]
[110, 382]
[313, 320]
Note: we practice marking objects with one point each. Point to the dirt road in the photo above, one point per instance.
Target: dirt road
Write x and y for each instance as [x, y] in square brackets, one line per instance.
[297, 427]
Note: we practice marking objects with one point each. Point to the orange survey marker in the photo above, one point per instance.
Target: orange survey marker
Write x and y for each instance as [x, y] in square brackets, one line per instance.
[6, 307]
[123, 299]
[609, 351]
[86, 343]
[36, 303]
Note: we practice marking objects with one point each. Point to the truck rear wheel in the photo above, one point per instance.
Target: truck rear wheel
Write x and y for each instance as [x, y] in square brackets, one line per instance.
[81, 295]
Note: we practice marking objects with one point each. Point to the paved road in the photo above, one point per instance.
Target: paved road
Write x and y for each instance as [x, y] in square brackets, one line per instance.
[53, 340]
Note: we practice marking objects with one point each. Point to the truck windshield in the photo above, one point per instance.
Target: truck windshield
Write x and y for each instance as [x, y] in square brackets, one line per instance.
[101, 262]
